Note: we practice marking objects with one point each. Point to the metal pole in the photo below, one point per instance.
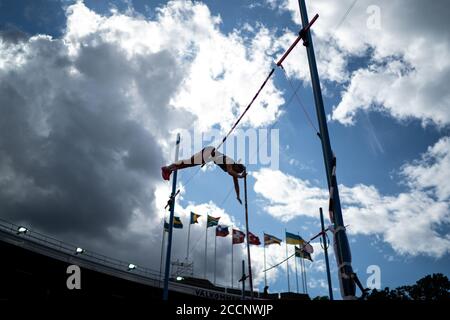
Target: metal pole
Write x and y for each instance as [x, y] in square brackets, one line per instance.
[243, 279]
[232, 257]
[342, 253]
[302, 273]
[206, 246]
[215, 255]
[162, 252]
[189, 236]
[325, 249]
[296, 271]
[304, 270]
[172, 210]
[287, 262]
[265, 275]
[248, 244]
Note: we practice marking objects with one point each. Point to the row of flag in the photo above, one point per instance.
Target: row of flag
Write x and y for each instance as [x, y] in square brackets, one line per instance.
[303, 250]
[221, 231]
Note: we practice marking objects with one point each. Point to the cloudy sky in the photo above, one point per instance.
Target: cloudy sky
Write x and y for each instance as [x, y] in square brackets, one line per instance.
[92, 94]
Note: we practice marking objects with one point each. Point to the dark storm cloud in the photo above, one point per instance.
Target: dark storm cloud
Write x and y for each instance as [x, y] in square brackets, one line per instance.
[73, 158]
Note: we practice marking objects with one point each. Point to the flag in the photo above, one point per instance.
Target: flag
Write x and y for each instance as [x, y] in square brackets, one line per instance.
[222, 231]
[238, 236]
[269, 239]
[194, 217]
[252, 239]
[177, 224]
[301, 253]
[308, 248]
[212, 221]
[294, 239]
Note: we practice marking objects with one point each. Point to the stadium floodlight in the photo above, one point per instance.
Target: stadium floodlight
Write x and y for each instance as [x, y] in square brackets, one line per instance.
[79, 250]
[22, 230]
[131, 267]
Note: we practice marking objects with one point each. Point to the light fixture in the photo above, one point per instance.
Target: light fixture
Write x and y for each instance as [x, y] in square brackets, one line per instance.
[79, 250]
[22, 230]
[180, 278]
[131, 267]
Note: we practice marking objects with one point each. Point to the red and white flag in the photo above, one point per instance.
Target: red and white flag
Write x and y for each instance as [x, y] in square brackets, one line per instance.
[238, 236]
[252, 239]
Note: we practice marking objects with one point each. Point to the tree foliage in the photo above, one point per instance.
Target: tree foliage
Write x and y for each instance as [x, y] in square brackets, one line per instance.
[435, 287]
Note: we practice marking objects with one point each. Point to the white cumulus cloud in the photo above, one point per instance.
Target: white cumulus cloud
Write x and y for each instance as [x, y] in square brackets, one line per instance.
[408, 221]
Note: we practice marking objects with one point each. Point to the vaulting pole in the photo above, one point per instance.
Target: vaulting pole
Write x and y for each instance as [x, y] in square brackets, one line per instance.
[342, 253]
[248, 244]
[172, 210]
[325, 249]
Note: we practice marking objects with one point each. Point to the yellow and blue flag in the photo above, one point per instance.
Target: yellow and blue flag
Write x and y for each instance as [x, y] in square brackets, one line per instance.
[269, 239]
[294, 239]
[177, 224]
[194, 217]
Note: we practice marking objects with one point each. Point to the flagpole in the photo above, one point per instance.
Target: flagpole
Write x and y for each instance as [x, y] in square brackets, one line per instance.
[172, 211]
[206, 246]
[296, 271]
[302, 270]
[232, 257]
[215, 256]
[306, 282]
[287, 261]
[248, 244]
[265, 275]
[325, 249]
[162, 250]
[189, 236]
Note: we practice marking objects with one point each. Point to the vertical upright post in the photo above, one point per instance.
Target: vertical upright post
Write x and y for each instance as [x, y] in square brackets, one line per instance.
[325, 249]
[162, 251]
[248, 244]
[304, 272]
[342, 253]
[189, 236]
[172, 210]
[232, 261]
[265, 275]
[296, 271]
[215, 255]
[206, 246]
[287, 262]
[243, 279]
